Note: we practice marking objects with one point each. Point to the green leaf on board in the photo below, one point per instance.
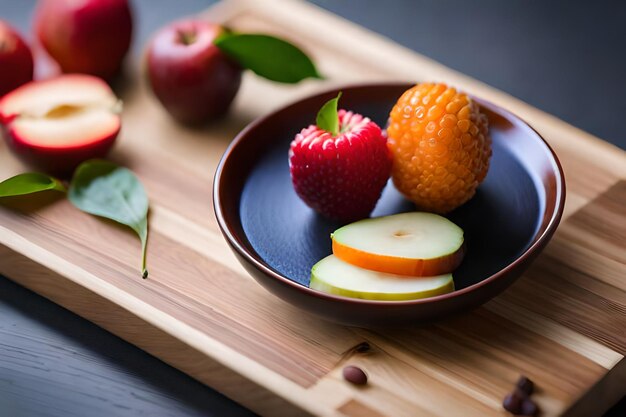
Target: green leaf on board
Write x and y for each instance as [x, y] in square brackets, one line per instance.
[107, 190]
[269, 57]
[327, 118]
[29, 183]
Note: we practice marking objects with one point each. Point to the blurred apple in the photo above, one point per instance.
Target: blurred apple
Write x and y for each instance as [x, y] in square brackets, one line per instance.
[85, 36]
[193, 79]
[16, 60]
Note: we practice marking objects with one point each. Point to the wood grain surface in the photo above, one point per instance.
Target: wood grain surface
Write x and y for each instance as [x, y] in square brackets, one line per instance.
[563, 324]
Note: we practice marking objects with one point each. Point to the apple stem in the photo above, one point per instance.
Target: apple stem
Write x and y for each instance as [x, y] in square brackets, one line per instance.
[187, 38]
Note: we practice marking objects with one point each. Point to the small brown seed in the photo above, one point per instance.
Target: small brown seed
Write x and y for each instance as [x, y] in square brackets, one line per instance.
[354, 375]
[525, 385]
[529, 407]
[513, 402]
[363, 347]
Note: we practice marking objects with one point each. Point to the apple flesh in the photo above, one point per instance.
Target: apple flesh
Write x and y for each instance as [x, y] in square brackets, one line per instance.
[334, 276]
[192, 78]
[413, 244]
[86, 36]
[56, 124]
[16, 60]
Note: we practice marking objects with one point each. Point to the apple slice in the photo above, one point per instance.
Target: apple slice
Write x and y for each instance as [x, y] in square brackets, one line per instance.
[58, 123]
[413, 244]
[334, 276]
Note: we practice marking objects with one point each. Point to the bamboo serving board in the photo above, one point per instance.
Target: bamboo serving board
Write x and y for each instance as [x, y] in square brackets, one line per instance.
[563, 324]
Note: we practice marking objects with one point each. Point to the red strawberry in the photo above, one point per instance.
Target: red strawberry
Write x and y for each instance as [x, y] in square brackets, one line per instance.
[340, 176]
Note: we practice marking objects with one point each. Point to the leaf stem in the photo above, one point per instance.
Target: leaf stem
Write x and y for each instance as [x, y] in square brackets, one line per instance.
[144, 251]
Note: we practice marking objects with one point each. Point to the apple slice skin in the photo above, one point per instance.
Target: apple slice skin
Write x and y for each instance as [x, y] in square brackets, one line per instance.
[430, 226]
[317, 283]
[58, 161]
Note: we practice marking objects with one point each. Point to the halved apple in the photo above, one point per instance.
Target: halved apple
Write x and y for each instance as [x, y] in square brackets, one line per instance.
[334, 276]
[413, 244]
[58, 123]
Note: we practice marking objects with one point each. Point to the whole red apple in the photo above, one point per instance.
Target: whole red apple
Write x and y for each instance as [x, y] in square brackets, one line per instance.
[16, 60]
[193, 79]
[85, 36]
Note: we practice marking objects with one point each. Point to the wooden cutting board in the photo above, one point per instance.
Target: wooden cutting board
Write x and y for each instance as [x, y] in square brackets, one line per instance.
[563, 324]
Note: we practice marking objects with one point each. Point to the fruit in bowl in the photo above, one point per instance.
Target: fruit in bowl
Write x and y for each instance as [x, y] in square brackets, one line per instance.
[392, 258]
[441, 146]
[438, 152]
[340, 165]
[16, 59]
[410, 244]
[56, 124]
[334, 276]
[87, 36]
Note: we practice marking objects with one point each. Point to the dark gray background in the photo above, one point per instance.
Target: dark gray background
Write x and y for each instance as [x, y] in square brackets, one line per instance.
[566, 57]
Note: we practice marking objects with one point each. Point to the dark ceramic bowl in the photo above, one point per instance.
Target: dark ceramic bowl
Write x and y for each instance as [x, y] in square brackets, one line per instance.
[277, 238]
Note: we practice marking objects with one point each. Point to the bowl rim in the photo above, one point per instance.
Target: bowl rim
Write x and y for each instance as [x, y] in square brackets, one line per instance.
[538, 240]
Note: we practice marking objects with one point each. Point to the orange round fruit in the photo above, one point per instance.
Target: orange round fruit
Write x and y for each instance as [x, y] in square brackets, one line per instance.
[440, 144]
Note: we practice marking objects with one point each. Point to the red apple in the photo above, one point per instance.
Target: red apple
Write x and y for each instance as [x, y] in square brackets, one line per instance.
[85, 36]
[193, 79]
[16, 60]
[56, 124]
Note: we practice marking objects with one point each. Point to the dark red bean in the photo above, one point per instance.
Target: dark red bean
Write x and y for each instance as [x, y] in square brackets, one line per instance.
[525, 385]
[354, 375]
[513, 402]
[529, 408]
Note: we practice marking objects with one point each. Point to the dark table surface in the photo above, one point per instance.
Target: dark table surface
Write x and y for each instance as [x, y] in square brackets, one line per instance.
[564, 57]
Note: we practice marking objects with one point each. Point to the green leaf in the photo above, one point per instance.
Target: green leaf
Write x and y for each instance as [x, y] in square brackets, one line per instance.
[107, 190]
[269, 57]
[28, 183]
[327, 117]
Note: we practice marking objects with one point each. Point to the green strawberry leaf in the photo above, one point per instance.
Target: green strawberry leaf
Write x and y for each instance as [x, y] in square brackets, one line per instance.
[29, 183]
[269, 57]
[327, 117]
[107, 190]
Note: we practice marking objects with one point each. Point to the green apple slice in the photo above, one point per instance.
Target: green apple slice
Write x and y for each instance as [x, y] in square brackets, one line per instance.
[413, 244]
[334, 276]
